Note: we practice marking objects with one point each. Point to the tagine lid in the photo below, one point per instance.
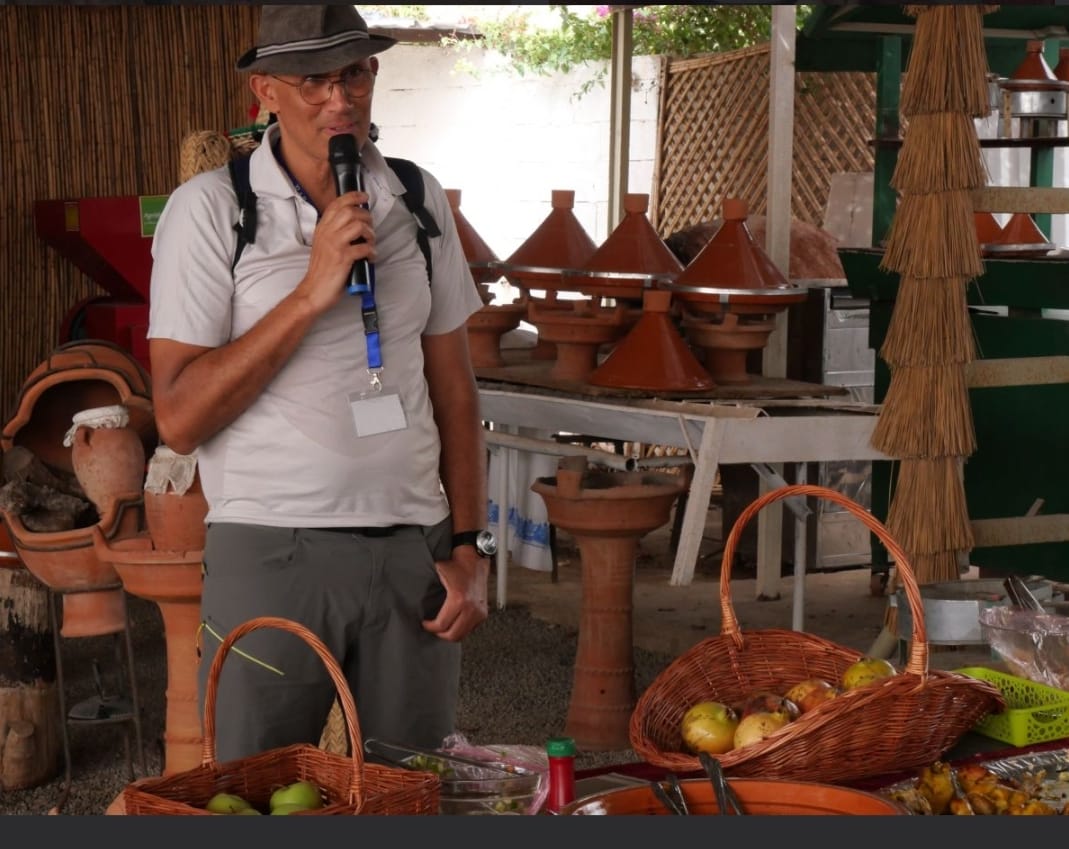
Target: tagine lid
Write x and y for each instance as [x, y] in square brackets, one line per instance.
[481, 259]
[1019, 237]
[732, 266]
[557, 243]
[988, 230]
[653, 356]
[1034, 74]
[630, 260]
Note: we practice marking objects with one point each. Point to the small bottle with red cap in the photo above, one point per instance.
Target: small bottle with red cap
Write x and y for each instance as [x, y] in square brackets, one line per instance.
[561, 753]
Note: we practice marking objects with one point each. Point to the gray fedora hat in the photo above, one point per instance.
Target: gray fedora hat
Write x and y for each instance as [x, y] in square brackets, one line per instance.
[310, 40]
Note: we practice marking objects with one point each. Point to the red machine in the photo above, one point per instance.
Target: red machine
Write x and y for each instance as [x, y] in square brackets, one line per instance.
[110, 239]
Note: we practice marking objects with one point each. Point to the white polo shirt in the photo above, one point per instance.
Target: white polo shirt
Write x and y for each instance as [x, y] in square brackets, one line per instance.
[293, 458]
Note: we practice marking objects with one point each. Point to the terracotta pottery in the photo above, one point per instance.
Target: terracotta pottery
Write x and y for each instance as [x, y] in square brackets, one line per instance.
[726, 342]
[557, 243]
[482, 261]
[631, 260]
[65, 562]
[1019, 237]
[77, 376]
[987, 227]
[579, 333]
[1033, 74]
[175, 521]
[1061, 70]
[653, 356]
[109, 462]
[486, 327]
[607, 513]
[173, 581]
[732, 275]
[758, 796]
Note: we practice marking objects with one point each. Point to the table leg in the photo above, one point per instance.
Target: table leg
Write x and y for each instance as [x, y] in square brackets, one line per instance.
[501, 487]
[697, 510]
[798, 601]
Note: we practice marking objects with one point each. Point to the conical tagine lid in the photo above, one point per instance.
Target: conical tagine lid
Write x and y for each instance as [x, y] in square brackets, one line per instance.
[732, 259]
[1021, 229]
[653, 356]
[557, 243]
[632, 248]
[481, 260]
[988, 230]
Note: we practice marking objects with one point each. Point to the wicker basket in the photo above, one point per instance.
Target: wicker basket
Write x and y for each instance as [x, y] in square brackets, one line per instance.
[904, 721]
[349, 785]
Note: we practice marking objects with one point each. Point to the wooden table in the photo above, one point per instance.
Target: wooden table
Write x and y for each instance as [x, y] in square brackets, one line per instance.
[766, 422]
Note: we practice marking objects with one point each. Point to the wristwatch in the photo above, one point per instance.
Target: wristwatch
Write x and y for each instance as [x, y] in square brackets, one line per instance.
[484, 541]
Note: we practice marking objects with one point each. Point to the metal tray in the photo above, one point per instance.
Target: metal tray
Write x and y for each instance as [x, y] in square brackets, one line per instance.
[1054, 789]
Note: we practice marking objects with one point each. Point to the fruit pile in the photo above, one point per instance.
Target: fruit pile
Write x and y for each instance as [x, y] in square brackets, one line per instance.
[715, 727]
[298, 796]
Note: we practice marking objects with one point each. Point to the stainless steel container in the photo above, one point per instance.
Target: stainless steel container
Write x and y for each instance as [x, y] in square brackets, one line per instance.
[952, 608]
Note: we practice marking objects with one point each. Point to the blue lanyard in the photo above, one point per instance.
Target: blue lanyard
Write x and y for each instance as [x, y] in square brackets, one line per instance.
[368, 311]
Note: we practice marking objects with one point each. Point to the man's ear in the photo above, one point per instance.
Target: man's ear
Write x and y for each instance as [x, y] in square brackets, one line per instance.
[373, 63]
[263, 87]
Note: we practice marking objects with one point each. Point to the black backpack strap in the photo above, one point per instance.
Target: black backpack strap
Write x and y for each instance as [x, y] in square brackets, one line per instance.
[245, 226]
[412, 178]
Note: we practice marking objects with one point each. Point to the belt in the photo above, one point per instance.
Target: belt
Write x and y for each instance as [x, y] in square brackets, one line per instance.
[381, 531]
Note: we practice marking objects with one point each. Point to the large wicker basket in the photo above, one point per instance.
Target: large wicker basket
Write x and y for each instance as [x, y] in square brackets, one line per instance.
[349, 785]
[904, 721]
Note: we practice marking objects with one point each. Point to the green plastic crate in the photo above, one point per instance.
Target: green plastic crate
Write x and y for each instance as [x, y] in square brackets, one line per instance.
[1034, 712]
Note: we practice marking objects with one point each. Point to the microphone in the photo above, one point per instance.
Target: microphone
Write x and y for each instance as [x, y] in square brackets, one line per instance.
[345, 163]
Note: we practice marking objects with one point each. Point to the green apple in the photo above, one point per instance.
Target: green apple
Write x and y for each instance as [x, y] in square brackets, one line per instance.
[287, 808]
[226, 803]
[247, 812]
[303, 793]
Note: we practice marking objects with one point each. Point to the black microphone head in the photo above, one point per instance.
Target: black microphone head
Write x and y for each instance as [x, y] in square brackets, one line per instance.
[342, 150]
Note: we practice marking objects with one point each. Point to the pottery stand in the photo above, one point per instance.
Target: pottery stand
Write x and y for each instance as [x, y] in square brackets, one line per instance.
[607, 513]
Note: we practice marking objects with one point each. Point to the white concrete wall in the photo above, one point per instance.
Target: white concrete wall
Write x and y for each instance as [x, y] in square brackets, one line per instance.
[507, 141]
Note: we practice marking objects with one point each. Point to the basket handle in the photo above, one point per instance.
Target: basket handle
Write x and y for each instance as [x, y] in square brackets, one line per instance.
[345, 696]
[918, 650]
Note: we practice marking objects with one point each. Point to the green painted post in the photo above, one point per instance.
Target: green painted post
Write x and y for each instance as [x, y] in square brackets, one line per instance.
[888, 126]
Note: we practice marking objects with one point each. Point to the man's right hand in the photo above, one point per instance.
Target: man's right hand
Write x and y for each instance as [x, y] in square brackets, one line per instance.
[343, 235]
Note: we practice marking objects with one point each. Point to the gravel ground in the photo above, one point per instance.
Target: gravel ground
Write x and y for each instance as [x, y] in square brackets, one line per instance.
[525, 706]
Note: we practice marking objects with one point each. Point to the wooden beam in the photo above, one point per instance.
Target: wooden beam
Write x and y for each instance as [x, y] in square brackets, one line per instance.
[1023, 371]
[1020, 530]
[1021, 199]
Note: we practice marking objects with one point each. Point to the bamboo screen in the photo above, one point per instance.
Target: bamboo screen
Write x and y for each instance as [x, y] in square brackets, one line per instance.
[713, 140]
[97, 101]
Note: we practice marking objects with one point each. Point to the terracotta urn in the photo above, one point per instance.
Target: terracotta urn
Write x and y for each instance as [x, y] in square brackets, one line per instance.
[607, 513]
[107, 454]
[175, 506]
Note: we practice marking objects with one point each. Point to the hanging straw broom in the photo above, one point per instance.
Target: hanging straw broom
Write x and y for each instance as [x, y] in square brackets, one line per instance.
[940, 152]
[948, 64]
[930, 324]
[934, 235]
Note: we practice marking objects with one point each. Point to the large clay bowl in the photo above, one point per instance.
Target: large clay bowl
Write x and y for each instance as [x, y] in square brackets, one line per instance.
[776, 797]
[75, 377]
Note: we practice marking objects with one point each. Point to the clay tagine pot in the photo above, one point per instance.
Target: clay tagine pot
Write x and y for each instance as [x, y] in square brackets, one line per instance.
[558, 243]
[630, 261]
[579, 333]
[653, 356]
[173, 580]
[607, 513]
[1019, 238]
[730, 291]
[988, 230]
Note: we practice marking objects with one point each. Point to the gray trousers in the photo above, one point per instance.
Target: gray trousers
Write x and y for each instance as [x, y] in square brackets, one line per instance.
[363, 595]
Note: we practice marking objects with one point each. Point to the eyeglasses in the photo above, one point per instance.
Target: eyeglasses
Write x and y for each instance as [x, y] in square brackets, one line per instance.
[315, 91]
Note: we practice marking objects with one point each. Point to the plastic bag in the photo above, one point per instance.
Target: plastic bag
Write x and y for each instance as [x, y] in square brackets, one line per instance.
[1033, 645]
[530, 758]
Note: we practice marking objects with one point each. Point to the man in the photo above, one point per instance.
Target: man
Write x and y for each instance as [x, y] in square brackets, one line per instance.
[344, 467]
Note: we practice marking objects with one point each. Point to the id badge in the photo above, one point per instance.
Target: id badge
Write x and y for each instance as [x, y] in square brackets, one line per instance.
[377, 412]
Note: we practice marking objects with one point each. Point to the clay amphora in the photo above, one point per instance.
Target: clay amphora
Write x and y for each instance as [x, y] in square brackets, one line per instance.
[108, 460]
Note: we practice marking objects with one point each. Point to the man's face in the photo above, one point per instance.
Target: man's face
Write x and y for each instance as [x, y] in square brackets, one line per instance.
[313, 108]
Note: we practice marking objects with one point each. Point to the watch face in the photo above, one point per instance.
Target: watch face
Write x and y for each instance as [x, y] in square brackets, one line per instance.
[486, 543]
